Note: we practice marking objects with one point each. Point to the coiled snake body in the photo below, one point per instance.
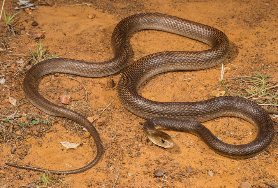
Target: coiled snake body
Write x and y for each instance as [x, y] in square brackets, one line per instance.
[161, 114]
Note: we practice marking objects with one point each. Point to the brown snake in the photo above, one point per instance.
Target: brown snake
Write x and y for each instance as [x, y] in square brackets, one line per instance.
[160, 114]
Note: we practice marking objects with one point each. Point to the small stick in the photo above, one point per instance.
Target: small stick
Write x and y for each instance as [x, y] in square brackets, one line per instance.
[18, 54]
[268, 104]
[116, 179]
[222, 72]
[273, 185]
[2, 9]
[103, 110]
[260, 98]
[239, 77]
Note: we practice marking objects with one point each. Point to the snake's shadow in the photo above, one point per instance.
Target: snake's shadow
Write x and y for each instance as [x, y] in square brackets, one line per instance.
[232, 53]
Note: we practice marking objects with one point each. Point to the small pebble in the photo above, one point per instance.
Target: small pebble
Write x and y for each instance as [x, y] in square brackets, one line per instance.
[65, 99]
[101, 121]
[159, 173]
[176, 164]
[189, 169]
[2, 172]
[130, 173]
[91, 16]
[13, 150]
[111, 83]
[245, 185]
[34, 23]
[36, 35]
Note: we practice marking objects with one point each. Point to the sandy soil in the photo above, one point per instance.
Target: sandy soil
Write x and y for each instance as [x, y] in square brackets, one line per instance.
[82, 30]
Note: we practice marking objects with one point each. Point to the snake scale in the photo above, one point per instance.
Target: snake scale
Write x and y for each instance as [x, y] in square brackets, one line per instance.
[180, 116]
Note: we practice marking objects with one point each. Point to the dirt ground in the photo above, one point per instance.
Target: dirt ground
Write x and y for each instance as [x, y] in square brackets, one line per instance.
[82, 30]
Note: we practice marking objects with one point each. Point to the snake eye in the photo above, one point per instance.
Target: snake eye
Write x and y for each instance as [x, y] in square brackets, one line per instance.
[163, 141]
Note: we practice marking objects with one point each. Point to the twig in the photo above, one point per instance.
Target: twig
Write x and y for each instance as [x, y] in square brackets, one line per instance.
[88, 4]
[103, 110]
[261, 98]
[239, 77]
[18, 54]
[83, 87]
[116, 179]
[2, 9]
[268, 104]
[273, 185]
[188, 78]
[222, 77]
[222, 72]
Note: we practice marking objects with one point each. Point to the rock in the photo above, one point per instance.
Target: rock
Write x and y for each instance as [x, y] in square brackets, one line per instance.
[159, 173]
[245, 185]
[91, 16]
[65, 99]
[2, 172]
[111, 83]
[189, 169]
[130, 173]
[34, 23]
[36, 35]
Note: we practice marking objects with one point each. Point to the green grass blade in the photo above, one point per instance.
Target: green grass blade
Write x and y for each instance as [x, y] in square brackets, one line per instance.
[10, 18]
[54, 56]
[5, 16]
[225, 88]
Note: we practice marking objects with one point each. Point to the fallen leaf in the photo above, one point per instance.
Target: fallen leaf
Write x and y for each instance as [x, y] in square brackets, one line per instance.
[130, 173]
[2, 80]
[210, 173]
[69, 145]
[12, 101]
[217, 93]
[27, 10]
[91, 119]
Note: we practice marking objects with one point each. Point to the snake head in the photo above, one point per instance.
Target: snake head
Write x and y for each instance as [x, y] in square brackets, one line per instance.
[161, 139]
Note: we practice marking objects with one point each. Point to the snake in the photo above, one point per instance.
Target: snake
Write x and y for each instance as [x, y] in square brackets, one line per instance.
[179, 116]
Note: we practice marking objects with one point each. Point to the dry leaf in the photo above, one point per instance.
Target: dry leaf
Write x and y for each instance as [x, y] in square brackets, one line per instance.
[210, 173]
[217, 93]
[69, 145]
[2, 80]
[12, 101]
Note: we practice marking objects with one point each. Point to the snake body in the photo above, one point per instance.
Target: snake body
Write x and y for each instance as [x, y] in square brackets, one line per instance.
[160, 114]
